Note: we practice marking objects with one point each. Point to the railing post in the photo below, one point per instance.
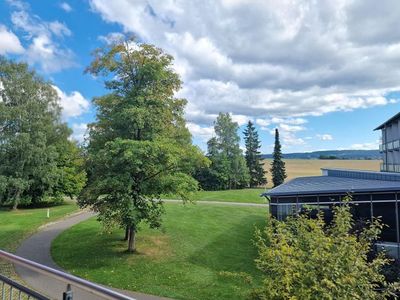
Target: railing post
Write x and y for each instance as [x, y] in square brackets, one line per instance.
[68, 295]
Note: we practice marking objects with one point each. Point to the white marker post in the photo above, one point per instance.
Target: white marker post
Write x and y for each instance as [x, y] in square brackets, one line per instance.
[48, 213]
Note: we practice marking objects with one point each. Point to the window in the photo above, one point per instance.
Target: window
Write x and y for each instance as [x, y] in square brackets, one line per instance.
[386, 211]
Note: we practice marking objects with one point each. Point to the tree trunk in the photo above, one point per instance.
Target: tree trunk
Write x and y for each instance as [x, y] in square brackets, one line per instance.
[16, 200]
[132, 239]
[126, 233]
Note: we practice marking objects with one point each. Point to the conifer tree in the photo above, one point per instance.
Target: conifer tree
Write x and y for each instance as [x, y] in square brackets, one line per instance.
[278, 171]
[252, 155]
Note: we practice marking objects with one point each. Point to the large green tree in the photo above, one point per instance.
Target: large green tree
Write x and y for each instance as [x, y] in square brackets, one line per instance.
[278, 170]
[303, 258]
[252, 155]
[228, 167]
[139, 147]
[30, 134]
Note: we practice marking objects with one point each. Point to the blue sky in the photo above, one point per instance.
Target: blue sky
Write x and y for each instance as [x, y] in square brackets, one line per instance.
[312, 70]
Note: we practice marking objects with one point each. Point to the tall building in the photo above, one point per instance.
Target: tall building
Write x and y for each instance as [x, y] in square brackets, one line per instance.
[390, 144]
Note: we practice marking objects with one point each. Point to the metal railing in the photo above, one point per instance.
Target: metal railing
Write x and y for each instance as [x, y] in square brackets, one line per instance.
[11, 289]
[390, 146]
[390, 167]
[14, 289]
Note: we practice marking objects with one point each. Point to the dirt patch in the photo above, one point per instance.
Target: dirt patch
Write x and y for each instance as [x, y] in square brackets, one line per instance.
[155, 247]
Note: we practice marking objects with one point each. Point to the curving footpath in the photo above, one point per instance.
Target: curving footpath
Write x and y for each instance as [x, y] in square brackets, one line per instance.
[37, 248]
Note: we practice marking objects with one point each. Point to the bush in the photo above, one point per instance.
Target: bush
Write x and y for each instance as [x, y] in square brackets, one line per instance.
[303, 258]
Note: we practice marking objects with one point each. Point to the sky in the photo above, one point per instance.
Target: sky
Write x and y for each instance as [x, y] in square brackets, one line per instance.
[325, 73]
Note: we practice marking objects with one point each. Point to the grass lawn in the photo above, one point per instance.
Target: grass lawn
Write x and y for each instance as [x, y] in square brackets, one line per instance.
[184, 260]
[19, 224]
[243, 195]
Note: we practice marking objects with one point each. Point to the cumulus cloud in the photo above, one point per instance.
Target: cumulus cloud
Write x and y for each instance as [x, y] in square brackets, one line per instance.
[204, 133]
[73, 104]
[79, 131]
[325, 137]
[43, 48]
[271, 59]
[9, 42]
[365, 146]
[66, 7]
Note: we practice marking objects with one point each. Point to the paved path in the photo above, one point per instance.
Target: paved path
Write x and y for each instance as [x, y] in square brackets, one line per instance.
[219, 202]
[37, 248]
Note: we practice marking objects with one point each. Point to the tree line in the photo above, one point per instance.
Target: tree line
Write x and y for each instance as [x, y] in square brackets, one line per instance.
[229, 168]
[38, 161]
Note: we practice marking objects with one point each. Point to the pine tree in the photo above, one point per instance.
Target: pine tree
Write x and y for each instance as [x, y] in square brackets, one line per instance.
[252, 155]
[277, 166]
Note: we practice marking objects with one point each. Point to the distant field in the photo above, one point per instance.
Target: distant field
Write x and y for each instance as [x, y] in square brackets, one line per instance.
[312, 167]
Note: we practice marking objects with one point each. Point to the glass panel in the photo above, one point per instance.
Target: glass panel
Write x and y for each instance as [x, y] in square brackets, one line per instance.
[326, 209]
[332, 198]
[361, 197]
[287, 199]
[285, 210]
[387, 213]
[273, 210]
[310, 199]
[361, 211]
[273, 200]
[381, 197]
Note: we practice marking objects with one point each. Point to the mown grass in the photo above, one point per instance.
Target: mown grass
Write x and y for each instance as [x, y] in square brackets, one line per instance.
[243, 195]
[187, 259]
[19, 224]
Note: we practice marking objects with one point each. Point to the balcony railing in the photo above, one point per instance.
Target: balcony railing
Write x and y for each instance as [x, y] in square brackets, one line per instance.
[13, 290]
[390, 167]
[390, 146]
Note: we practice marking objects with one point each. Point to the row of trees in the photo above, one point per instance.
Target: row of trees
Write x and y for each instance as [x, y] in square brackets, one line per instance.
[229, 168]
[38, 161]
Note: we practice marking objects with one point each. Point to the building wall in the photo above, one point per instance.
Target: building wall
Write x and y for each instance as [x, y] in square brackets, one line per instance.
[364, 207]
[391, 147]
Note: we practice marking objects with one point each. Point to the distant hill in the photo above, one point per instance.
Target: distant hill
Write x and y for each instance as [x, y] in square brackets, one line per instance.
[332, 154]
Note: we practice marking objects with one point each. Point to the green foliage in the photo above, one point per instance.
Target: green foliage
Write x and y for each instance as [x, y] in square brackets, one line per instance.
[139, 146]
[278, 171]
[71, 173]
[303, 258]
[252, 155]
[31, 133]
[228, 168]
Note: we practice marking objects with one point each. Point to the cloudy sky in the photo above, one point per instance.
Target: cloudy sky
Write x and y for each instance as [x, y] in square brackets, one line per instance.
[324, 72]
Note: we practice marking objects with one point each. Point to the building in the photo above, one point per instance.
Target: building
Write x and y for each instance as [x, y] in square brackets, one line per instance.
[374, 194]
[390, 146]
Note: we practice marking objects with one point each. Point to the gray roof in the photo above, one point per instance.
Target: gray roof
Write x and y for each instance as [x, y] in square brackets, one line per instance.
[392, 119]
[331, 185]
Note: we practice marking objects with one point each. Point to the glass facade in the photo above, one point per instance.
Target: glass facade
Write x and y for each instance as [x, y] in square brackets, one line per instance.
[364, 207]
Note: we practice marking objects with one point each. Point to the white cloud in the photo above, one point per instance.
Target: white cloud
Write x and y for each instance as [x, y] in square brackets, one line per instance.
[204, 133]
[9, 42]
[43, 48]
[79, 131]
[365, 146]
[73, 104]
[59, 29]
[324, 137]
[269, 59]
[66, 7]
[111, 37]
